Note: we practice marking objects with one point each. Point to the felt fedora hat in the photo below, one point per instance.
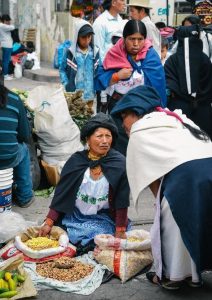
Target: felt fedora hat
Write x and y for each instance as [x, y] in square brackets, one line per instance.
[141, 3]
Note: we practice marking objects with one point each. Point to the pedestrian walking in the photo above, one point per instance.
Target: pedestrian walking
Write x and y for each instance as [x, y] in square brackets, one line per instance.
[6, 44]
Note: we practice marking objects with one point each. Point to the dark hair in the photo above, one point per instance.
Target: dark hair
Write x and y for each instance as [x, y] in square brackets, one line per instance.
[15, 36]
[197, 133]
[193, 19]
[147, 10]
[164, 42]
[134, 26]
[160, 25]
[3, 96]
[115, 39]
[107, 4]
[5, 18]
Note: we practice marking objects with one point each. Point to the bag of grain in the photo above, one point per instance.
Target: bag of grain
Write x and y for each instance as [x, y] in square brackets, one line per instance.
[38, 247]
[124, 257]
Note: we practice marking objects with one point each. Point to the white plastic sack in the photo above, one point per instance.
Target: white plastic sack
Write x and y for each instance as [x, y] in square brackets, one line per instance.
[58, 135]
[107, 241]
[63, 243]
[123, 257]
[18, 71]
[33, 56]
[11, 224]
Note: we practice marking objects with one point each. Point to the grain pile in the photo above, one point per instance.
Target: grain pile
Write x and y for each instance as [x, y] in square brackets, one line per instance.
[40, 243]
[64, 269]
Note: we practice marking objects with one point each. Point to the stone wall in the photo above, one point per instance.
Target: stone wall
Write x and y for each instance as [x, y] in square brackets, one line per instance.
[52, 27]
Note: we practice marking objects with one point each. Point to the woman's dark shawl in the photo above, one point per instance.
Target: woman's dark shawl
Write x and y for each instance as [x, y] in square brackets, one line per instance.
[200, 72]
[188, 189]
[114, 169]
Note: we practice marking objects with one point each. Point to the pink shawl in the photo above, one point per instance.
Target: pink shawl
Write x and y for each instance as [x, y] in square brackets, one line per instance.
[116, 57]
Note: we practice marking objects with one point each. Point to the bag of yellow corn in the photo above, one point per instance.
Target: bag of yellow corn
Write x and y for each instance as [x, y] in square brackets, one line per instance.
[38, 247]
[124, 257]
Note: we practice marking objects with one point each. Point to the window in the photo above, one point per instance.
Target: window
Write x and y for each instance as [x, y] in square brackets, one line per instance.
[62, 5]
[183, 7]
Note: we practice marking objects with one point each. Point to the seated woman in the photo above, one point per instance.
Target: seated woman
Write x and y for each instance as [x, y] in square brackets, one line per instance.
[92, 195]
[131, 62]
[170, 154]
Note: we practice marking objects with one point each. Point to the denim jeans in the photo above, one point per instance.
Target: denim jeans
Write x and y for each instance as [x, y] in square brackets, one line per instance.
[6, 56]
[21, 175]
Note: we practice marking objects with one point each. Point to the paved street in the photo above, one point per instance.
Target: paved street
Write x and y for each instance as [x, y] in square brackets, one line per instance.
[136, 289]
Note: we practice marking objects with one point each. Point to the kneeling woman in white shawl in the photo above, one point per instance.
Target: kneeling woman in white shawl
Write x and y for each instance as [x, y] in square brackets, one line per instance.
[170, 154]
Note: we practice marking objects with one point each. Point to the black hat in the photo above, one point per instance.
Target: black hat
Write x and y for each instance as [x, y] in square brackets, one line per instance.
[99, 120]
[85, 30]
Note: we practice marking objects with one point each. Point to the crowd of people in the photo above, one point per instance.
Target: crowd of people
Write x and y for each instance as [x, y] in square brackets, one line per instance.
[154, 130]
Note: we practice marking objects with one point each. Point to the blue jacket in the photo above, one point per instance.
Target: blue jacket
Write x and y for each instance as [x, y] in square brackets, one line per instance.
[70, 71]
[153, 75]
[78, 69]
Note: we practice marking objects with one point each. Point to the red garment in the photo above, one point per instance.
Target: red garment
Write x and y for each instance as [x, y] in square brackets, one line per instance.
[116, 57]
[17, 58]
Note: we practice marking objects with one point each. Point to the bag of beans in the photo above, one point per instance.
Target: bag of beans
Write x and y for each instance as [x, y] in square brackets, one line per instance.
[124, 257]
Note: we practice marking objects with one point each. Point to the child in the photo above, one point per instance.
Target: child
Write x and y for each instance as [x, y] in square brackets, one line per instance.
[80, 62]
[164, 50]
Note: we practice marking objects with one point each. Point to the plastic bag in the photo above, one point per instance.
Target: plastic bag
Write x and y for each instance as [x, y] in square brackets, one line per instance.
[11, 224]
[18, 71]
[107, 241]
[56, 233]
[125, 262]
[58, 135]
[27, 288]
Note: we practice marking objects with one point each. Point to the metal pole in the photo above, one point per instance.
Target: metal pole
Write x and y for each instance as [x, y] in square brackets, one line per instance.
[167, 12]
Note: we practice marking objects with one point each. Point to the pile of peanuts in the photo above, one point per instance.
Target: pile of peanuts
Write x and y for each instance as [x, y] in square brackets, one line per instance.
[73, 270]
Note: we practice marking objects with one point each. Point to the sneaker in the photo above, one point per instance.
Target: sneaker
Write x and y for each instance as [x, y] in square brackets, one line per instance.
[26, 203]
[8, 77]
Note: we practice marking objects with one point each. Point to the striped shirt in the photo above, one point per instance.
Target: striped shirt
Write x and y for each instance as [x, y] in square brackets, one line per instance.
[14, 129]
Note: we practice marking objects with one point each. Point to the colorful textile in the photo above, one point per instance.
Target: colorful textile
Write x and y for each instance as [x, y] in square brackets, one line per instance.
[83, 228]
[117, 58]
[151, 67]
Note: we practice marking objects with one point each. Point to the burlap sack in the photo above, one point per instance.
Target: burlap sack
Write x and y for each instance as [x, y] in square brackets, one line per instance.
[27, 288]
